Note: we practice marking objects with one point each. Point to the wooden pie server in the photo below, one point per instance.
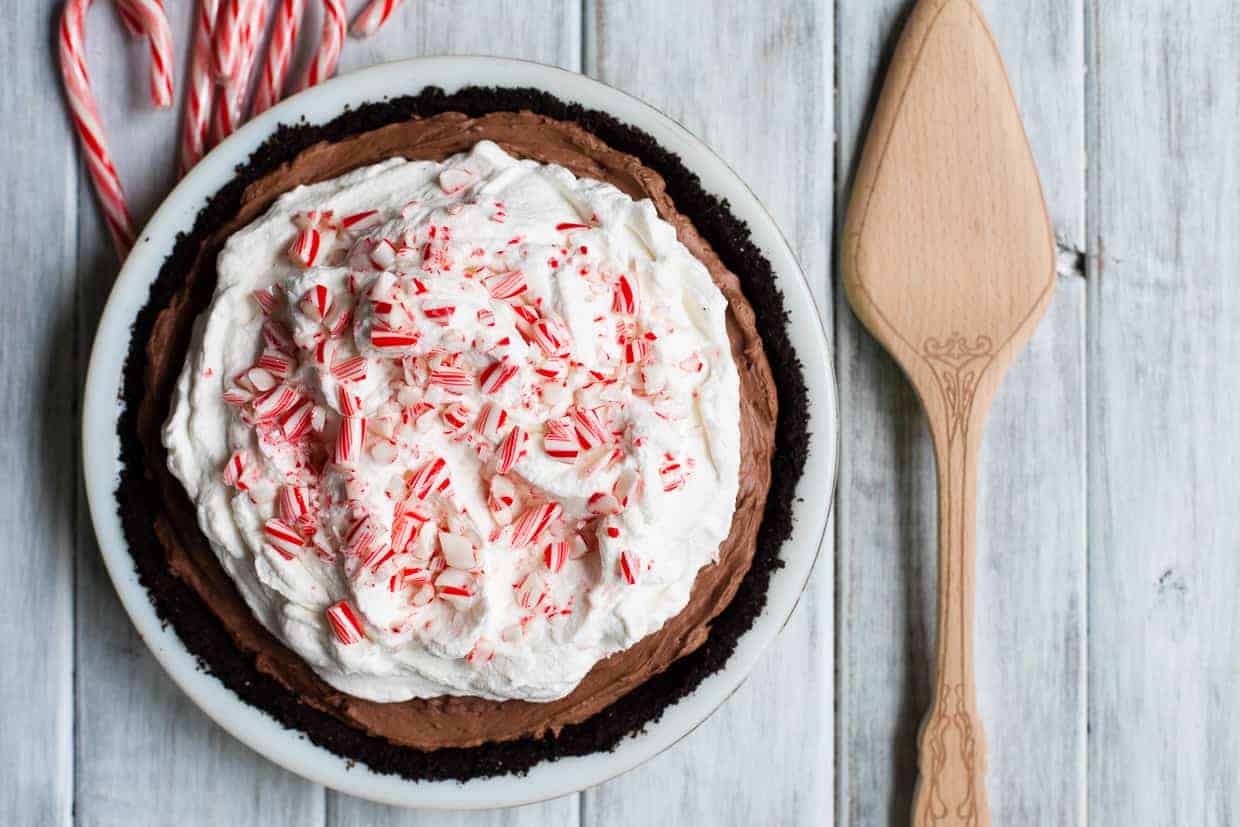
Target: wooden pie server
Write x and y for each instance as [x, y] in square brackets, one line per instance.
[949, 260]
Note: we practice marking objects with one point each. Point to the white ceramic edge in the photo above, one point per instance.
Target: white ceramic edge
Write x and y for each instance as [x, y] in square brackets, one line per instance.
[101, 444]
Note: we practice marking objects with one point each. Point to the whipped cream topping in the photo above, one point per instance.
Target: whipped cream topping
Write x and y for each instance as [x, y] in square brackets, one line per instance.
[460, 428]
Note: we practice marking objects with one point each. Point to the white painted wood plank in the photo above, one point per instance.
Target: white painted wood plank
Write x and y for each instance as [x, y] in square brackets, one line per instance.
[548, 31]
[1031, 537]
[1164, 302]
[38, 373]
[145, 753]
[344, 811]
[754, 81]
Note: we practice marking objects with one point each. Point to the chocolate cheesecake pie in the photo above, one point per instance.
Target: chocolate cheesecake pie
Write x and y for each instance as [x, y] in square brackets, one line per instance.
[450, 431]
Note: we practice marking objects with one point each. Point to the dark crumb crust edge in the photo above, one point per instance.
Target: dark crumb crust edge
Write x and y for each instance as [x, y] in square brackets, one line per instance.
[203, 634]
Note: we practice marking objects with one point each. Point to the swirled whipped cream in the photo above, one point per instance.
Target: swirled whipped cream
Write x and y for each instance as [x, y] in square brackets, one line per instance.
[460, 428]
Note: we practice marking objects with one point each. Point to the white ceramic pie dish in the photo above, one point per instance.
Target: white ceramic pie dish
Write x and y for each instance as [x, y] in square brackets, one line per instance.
[101, 444]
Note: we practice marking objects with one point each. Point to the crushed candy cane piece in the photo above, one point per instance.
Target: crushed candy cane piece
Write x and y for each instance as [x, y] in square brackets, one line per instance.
[560, 441]
[531, 590]
[533, 522]
[349, 439]
[555, 554]
[510, 450]
[345, 623]
[455, 586]
[630, 566]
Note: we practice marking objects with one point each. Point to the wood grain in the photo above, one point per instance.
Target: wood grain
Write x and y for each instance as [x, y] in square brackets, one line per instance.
[754, 82]
[886, 522]
[1164, 429]
[37, 514]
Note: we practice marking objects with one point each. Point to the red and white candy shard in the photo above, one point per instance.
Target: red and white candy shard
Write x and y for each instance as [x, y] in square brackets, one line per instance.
[491, 421]
[531, 590]
[345, 624]
[502, 500]
[624, 297]
[349, 404]
[457, 416]
[673, 473]
[452, 380]
[552, 336]
[533, 522]
[236, 470]
[311, 245]
[283, 538]
[266, 299]
[604, 504]
[626, 487]
[589, 427]
[455, 586]
[293, 503]
[362, 538]
[349, 439]
[510, 450]
[275, 402]
[393, 342]
[359, 221]
[440, 312]
[555, 554]
[351, 369]
[495, 376]
[317, 302]
[298, 422]
[275, 363]
[630, 566]
[560, 441]
[431, 477]
[507, 285]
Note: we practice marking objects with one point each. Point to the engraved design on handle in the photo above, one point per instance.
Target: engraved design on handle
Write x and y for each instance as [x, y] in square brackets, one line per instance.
[957, 364]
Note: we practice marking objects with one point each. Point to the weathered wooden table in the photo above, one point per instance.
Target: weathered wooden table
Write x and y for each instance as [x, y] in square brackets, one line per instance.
[1108, 655]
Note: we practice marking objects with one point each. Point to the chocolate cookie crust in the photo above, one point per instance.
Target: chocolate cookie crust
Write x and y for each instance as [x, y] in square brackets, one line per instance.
[206, 637]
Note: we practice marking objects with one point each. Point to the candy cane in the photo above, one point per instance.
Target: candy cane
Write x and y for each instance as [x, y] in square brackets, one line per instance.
[89, 128]
[133, 24]
[330, 43]
[230, 101]
[226, 54]
[373, 17]
[279, 55]
[150, 19]
[201, 88]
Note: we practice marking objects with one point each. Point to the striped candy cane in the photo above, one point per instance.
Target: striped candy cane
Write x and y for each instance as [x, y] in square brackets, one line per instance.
[85, 113]
[151, 20]
[372, 18]
[226, 56]
[230, 99]
[330, 44]
[132, 24]
[279, 55]
[201, 89]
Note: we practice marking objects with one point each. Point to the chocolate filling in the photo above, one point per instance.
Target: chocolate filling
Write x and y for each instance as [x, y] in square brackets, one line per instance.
[281, 683]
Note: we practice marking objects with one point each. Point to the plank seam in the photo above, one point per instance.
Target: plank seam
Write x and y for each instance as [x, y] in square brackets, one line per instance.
[1091, 82]
[838, 781]
[73, 236]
